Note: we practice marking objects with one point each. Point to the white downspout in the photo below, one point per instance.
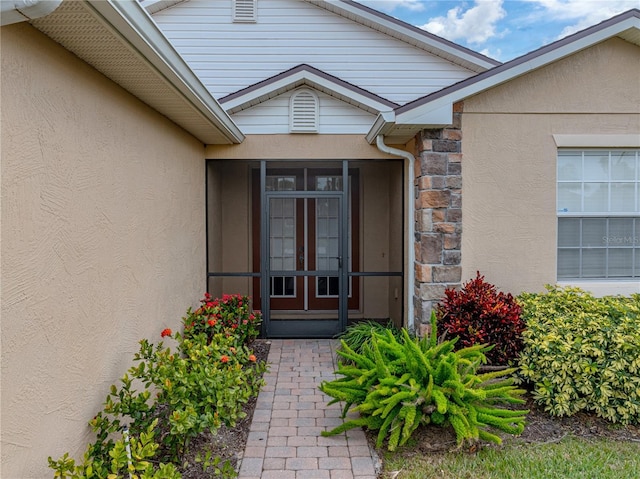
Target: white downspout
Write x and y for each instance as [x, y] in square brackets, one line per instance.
[15, 11]
[410, 222]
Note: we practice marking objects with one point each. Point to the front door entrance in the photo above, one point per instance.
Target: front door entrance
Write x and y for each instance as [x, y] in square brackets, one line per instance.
[308, 243]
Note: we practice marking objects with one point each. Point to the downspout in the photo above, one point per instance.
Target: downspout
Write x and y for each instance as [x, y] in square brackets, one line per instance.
[410, 222]
[15, 11]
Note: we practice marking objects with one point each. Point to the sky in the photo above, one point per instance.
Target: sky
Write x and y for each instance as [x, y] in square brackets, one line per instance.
[502, 29]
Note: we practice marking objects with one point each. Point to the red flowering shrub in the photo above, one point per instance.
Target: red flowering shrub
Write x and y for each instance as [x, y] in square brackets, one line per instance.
[165, 332]
[230, 315]
[480, 314]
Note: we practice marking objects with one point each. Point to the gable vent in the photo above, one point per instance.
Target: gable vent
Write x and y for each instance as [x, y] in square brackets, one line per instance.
[245, 10]
[303, 114]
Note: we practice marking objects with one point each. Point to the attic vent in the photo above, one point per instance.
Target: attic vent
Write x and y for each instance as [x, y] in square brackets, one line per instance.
[245, 10]
[303, 112]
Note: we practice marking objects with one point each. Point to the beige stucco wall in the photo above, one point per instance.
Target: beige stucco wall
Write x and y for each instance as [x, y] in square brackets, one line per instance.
[509, 157]
[279, 147]
[102, 243]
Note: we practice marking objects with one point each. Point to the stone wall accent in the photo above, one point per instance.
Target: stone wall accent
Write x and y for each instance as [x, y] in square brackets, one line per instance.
[438, 196]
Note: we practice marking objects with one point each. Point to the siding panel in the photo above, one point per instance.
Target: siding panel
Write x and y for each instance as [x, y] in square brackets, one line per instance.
[230, 56]
[272, 117]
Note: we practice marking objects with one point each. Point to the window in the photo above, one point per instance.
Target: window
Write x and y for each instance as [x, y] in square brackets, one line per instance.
[598, 201]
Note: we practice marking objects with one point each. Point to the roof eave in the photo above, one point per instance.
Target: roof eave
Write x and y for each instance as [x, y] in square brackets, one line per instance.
[432, 110]
[120, 40]
[138, 29]
[305, 75]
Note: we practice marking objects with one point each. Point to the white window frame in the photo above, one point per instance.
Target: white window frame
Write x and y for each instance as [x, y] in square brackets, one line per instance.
[609, 284]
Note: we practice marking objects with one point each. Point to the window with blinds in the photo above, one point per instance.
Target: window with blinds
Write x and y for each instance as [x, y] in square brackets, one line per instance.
[598, 201]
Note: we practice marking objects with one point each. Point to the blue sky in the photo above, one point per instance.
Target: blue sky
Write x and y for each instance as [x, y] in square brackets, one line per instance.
[502, 29]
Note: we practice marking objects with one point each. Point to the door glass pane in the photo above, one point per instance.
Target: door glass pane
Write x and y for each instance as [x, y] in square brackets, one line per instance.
[334, 285]
[289, 285]
[277, 286]
[280, 183]
[327, 239]
[330, 286]
[322, 286]
[282, 240]
[328, 183]
[283, 286]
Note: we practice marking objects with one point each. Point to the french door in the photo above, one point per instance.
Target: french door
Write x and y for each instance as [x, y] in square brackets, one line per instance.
[307, 224]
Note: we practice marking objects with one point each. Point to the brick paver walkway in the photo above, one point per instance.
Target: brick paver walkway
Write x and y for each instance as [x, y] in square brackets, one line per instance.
[291, 412]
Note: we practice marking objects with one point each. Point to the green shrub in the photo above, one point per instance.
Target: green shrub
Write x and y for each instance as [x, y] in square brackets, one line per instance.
[168, 398]
[118, 465]
[583, 353]
[480, 314]
[397, 385]
[356, 335]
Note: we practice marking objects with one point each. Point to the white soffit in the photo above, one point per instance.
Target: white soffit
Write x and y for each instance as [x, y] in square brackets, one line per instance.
[305, 75]
[120, 40]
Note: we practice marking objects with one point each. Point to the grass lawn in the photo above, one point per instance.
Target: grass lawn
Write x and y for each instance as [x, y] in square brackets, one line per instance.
[572, 457]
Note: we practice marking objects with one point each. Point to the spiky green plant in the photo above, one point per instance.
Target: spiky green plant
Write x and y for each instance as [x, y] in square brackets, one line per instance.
[359, 334]
[399, 384]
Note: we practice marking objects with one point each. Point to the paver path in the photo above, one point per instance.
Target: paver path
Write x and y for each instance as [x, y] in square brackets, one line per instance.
[291, 412]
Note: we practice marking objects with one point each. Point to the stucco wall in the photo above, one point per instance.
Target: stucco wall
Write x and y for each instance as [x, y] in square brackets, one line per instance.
[509, 157]
[279, 147]
[102, 243]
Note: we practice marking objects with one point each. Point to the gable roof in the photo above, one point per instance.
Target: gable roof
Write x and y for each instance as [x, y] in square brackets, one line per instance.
[309, 76]
[371, 18]
[122, 41]
[435, 110]
[410, 34]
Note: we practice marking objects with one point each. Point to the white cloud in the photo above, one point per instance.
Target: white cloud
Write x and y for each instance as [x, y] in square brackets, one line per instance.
[473, 25]
[584, 13]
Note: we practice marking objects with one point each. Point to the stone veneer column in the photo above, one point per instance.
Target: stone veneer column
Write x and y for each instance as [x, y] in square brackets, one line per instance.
[438, 183]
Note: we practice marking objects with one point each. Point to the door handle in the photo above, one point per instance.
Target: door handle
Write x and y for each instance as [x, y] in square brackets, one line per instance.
[339, 258]
[301, 256]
